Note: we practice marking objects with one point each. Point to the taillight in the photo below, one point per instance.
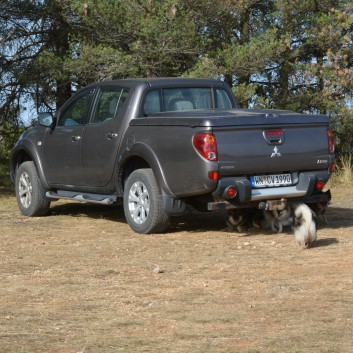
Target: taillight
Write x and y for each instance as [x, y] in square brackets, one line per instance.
[206, 145]
[331, 141]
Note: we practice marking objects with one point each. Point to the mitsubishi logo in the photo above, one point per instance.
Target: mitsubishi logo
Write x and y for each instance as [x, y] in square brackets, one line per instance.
[275, 153]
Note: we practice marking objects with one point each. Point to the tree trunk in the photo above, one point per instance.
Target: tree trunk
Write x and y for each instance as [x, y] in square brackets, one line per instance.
[61, 47]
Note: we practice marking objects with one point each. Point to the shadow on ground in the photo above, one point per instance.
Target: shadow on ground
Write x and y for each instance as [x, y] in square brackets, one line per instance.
[193, 221]
[112, 213]
[338, 217]
[325, 242]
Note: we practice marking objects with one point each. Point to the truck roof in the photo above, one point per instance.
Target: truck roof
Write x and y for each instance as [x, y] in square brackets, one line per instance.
[163, 81]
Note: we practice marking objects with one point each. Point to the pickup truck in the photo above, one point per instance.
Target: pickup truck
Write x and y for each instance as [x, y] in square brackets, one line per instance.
[163, 144]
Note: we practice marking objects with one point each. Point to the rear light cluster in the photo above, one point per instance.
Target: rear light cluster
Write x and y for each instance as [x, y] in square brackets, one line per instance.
[331, 148]
[331, 141]
[205, 144]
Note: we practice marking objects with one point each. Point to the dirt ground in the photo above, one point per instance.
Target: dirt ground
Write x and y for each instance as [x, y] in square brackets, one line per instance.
[79, 280]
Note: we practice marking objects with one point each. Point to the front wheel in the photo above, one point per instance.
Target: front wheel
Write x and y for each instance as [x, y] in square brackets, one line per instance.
[29, 191]
[142, 203]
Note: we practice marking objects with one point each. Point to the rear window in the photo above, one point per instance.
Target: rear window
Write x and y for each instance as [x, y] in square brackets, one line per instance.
[185, 98]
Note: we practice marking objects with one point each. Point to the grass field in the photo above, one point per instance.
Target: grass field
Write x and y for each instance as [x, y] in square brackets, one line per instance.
[79, 280]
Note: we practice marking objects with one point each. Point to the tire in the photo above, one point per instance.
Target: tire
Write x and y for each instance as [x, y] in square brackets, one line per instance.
[30, 194]
[142, 203]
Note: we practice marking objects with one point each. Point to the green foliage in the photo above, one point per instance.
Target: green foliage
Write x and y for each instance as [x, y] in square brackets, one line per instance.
[151, 38]
[247, 58]
[243, 93]
[286, 54]
[8, 137]
[342, 124]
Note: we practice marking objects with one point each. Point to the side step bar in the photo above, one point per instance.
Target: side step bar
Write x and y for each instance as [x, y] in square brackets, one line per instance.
[76, 196]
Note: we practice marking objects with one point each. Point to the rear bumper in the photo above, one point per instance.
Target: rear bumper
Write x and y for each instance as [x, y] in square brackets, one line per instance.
[249, 197]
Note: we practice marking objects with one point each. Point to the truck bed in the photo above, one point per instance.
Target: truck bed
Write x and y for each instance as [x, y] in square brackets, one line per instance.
[257, 141]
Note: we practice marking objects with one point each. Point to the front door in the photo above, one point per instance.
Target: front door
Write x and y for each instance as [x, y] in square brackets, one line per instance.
[62, 145]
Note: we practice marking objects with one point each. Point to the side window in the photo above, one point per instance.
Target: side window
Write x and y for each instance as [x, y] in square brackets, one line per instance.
[110, 102]
[222, 99]
[152, 103]
[77, 112]
[122, 100]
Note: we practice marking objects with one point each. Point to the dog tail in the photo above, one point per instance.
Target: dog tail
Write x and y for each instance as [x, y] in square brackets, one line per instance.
[304, 225]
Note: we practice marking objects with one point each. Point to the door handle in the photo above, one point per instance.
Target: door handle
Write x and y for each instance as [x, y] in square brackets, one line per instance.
[111, 135]
[75, 138]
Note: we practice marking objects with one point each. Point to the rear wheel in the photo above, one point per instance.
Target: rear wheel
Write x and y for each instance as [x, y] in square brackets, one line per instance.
[142, 203]
[29, 191]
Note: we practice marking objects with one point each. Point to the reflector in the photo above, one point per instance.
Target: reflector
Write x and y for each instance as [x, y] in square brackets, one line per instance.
[320, 184]
[213, 175]
[231, 192]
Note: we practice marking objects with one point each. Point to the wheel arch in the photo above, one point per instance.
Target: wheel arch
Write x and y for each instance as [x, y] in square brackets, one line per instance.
[138, 157]
[26, 151]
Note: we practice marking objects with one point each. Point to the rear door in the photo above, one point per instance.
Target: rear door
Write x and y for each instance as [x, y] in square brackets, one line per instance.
[102, 136]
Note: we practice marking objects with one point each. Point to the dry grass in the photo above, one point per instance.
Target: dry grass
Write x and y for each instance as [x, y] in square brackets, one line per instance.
[344, 172]
[80, 280]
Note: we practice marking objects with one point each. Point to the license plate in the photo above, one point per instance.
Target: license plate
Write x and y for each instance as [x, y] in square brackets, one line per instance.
[267, 181]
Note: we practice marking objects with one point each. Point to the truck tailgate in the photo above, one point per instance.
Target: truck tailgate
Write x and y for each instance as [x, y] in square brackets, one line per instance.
[278, 144]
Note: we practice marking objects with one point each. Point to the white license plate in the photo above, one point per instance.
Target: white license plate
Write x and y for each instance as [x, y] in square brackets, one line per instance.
[266, 181]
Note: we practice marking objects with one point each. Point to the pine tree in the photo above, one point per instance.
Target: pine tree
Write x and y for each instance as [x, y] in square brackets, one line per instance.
[135, 38]
[290, 54]
[278, 53]
[35, 44]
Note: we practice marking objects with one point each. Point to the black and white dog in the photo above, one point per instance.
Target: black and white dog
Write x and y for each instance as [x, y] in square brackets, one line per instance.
[299, 217]
[277, 219]
[242, 219]
[304, 225]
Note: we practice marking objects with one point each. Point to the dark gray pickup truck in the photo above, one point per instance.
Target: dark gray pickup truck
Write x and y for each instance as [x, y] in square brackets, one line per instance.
[162, 144]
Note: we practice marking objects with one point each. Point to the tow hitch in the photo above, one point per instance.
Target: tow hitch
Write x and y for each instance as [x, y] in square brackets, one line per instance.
[273, 205]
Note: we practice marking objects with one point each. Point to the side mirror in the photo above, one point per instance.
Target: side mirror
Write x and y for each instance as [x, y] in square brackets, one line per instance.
[46, 119]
